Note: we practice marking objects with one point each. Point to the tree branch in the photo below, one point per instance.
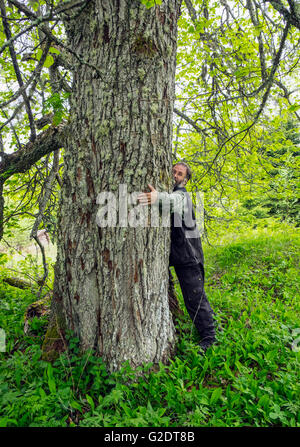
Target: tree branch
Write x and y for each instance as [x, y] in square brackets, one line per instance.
[255, 22]
[34, 77]
[192, 11]
[39, 19]
[17, 70]
[269, 84]
[292, 17]
[62, 7]
[188, 120]
[21, 160]
[42, 206]
[286, 95]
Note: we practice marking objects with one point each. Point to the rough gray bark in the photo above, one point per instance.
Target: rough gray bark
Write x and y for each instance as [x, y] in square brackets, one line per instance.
[111, 284]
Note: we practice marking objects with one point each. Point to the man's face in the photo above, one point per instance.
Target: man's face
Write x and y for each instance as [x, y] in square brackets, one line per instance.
[179, 174]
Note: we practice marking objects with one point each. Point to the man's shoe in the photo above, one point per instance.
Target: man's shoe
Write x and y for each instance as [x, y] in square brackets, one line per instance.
[204, 345]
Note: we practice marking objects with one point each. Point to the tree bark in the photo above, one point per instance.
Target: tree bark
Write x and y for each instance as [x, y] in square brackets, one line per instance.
[111, 283]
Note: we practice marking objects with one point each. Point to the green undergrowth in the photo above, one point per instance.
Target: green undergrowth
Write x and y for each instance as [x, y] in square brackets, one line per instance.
[249, 378]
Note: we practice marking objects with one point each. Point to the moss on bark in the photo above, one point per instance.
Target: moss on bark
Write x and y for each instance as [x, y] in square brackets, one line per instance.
[54, 343]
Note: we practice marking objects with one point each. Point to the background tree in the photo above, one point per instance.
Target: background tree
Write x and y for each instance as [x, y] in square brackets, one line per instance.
[237, 69]
[279, 151]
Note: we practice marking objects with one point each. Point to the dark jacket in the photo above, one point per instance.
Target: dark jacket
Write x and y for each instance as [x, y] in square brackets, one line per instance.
[186, 247]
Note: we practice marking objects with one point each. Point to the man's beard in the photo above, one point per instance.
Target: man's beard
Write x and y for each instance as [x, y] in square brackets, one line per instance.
[180, 184]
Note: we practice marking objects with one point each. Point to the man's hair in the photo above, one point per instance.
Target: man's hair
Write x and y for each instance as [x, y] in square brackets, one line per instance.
[188, 169]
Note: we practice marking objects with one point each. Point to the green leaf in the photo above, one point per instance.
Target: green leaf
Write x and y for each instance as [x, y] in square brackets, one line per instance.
[39, 54]
[3, 258]
[57, 118]
[42, 393]
[215, 396]
[294, 107]
[263, 401]
[151, 3]
[76, 405]
[126, 409]
[34, 4]
[90, 402]
[4, 421]
[49, 61]
[54, 50]
[241, 72]
[51, 381]
[228, 370]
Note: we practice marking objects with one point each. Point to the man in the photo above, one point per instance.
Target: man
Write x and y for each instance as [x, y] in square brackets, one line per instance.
[186, 254]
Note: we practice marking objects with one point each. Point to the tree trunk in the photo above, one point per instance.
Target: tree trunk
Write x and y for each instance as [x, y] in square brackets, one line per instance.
[177, 312]
[111, 283]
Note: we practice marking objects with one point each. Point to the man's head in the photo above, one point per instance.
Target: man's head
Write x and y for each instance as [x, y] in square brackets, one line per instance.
[181, 173]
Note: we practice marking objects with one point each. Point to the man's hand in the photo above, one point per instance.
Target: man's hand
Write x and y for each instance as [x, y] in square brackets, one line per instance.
[147, 198]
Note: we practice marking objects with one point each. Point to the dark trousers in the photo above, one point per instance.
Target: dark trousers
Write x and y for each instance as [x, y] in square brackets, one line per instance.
[191, 280]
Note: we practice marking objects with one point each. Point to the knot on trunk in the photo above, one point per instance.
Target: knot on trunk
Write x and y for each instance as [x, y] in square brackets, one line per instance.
[144, 46]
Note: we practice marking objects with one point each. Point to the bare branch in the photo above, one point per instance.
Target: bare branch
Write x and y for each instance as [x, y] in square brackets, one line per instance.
[191, 9]
[286, 95]
[47, 188]
[244, 132]
[39, 19]
[17, 70]
[188, 120]
[260, 41]
[34, 76]
[42, 206]
[21, 160]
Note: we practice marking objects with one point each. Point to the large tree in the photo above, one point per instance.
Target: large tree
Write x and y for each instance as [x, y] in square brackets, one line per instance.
[111, 283]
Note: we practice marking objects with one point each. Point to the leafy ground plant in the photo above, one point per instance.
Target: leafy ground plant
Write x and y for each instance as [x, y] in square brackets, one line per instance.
[250, 377]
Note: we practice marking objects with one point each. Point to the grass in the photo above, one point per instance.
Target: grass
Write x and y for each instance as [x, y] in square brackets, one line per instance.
[250, 377]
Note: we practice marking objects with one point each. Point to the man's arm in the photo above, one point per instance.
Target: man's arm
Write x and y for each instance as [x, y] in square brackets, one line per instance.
[176, 201]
